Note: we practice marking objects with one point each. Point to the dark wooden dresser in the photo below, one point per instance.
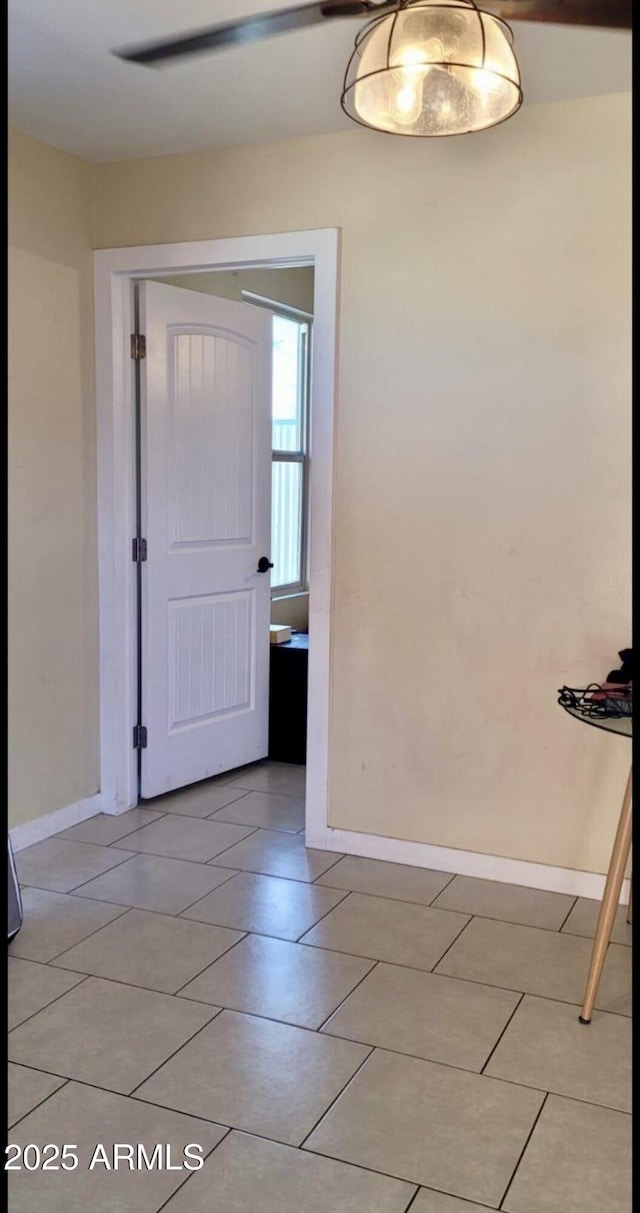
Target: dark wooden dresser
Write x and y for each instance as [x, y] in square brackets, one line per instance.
[288, 700]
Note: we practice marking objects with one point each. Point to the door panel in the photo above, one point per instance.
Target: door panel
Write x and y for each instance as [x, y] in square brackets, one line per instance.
[211, 451]
[206, 494]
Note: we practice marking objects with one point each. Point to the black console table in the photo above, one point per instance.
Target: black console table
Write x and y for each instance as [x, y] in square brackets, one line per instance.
[288, 700]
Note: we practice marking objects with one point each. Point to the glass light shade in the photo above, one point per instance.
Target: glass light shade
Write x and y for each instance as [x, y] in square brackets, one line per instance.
[433, 67]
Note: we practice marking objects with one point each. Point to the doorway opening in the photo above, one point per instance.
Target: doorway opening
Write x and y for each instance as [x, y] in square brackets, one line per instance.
[227, 680]
[310, 486]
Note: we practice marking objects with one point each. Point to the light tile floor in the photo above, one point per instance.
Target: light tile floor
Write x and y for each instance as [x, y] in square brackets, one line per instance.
[339, 1035]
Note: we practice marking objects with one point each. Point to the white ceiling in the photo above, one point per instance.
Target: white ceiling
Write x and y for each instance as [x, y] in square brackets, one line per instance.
[68, 90]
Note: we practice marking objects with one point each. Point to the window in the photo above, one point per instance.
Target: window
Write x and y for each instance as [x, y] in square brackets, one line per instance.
[291, 338]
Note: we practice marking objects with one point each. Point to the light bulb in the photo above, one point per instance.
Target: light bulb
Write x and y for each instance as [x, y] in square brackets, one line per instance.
[414, 61]
[485, 83]
[406, 104]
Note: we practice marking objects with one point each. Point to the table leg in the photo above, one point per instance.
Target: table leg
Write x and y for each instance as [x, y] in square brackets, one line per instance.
[611, 897]
[629, 906]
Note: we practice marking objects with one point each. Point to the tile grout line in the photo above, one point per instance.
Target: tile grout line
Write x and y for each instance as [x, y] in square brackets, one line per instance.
[510, 922]
[93, 1086]
[119, 864]
[612, 942]
[83, 977]
[430, 905]
[310, 884]
[212, 861]
[210, 963]
[188, 1177]
[63, 834]
[300, 800]
[185, 792]
[511, 1017]
[268, 876]
[523, 1151]
[338, 1096]
[132, 1093]
[325, 947]
[568, 915]
[219, 1009]
[318, 879]
[295, 795]
[198, 863]
[399, 1178]
[250, 825]
[339, 856]
[150, 989]
[279, 1141]
[202, 863]
[300, 939]
[464, 1200]
[308, 930]
[130, 985]
[449, 946]
[209, 816]
[413, 1199]
[224, 779]
[267, 792]
[450, 881]
[565, 1002]
[42, 1102]
[202, 921]
[273, 876]
[381, 960]
[102, 901]
[331, 1014]
[232, 873]
[277, 833]
[51, 961]
[45, 889]
[79, 841]
[107, 1090]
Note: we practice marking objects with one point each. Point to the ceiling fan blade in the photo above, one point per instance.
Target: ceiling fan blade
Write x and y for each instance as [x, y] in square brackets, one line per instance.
[612, 14]
[247, 29]
[605, 14]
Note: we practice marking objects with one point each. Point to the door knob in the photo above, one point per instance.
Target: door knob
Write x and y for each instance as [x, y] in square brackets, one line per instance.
[264, 564]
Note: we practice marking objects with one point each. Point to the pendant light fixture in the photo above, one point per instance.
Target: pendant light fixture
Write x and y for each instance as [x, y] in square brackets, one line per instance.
[432, 67]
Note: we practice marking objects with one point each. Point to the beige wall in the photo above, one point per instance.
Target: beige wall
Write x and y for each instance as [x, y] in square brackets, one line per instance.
[482, 500]
[53, 626]
[482, 490]
[293, 609]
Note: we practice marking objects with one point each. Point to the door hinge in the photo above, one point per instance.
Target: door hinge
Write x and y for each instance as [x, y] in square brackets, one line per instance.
[139, 551]
[138, 346]
[139, 737]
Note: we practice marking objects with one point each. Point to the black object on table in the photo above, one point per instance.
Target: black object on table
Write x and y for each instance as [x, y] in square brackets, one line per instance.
[288, 699]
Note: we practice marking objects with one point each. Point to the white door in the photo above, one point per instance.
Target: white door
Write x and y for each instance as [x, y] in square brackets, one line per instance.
[206, 511]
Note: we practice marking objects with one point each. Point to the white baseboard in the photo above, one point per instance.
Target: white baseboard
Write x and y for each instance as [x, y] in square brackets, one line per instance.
[463, 863]
[61, 819]
[373, 846]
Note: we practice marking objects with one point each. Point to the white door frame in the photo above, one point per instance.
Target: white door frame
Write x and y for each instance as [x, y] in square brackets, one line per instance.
[116, 271]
